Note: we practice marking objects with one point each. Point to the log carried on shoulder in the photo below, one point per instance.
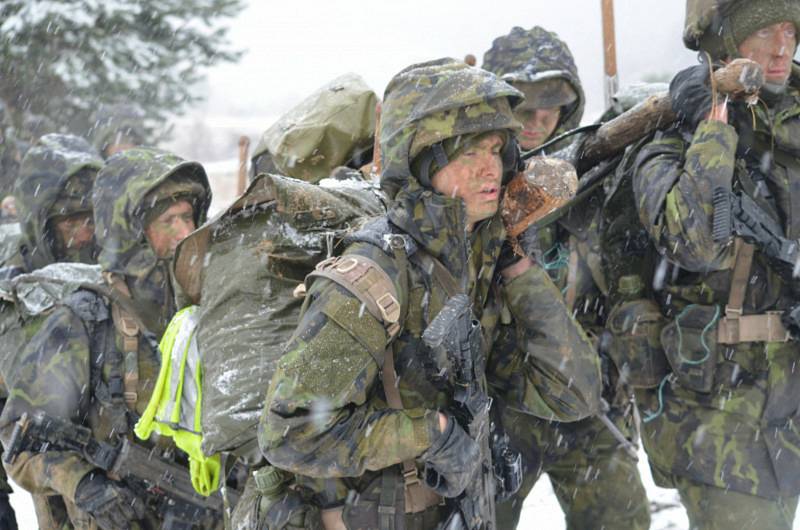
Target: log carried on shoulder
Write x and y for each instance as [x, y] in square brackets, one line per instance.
[740, 78]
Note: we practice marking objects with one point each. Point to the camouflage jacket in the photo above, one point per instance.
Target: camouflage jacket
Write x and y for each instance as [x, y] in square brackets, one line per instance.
[744, 434]
[66, 367]
[326, 414]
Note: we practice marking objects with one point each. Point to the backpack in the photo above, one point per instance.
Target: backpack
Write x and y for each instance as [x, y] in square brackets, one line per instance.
[242, 269]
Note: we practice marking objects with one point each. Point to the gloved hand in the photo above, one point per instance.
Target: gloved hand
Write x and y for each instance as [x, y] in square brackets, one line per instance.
[690, 92]
[452, 462]
[111, 504]
[8, 519]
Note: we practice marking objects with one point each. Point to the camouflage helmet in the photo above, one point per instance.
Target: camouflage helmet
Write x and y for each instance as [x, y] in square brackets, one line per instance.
[55, 178]
[428, 103]
[718, 27]
[540, 64]
[326, 130]
[117, 123]
[129, 186]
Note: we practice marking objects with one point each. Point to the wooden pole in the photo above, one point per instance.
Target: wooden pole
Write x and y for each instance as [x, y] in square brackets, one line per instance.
[609, 53]
[244, 148]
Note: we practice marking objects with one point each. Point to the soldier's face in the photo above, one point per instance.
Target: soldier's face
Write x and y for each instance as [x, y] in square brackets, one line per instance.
[537, 126]
[475, 176]
[75, 231]
[773, 48]
[170, 228]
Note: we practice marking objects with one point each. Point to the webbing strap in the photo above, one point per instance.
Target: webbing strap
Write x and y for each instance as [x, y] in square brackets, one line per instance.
[740, 277]
[128, 328]
[736, 328]
[368, 282]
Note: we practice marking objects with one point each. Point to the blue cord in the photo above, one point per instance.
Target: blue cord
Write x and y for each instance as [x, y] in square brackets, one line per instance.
[653, 415]
[702, 336]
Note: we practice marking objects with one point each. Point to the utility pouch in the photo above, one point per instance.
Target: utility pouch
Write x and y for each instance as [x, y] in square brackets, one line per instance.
[690, 343]
[380, 506]
[635, 347]
[268, 503]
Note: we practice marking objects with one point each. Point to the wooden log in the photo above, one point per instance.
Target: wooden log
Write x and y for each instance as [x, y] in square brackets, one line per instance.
[740, 78]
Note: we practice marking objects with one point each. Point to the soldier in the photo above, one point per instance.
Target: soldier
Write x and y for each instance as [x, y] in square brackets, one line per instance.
[446, 143]
[540, 65]
[145, 201]
[54, 188]
[722, 428]
[583, 459]
[118, 127]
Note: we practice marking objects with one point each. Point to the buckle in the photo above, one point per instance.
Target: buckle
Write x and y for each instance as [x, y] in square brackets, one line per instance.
[389, 308]
[346, 265]
[410, 477]
[733, 313]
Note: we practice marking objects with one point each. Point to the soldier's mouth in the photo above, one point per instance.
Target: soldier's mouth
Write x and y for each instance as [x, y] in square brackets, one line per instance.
[490, 193]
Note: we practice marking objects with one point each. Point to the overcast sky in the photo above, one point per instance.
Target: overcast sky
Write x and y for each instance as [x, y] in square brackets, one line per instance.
[294, 46]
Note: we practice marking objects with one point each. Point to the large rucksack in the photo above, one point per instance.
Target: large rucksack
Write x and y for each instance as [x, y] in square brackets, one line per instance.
[242, 269]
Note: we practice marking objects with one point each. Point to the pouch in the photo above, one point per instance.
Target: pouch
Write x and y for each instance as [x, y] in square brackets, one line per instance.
[690, 344]
[635, 347]
[386, 491]
[286, 509]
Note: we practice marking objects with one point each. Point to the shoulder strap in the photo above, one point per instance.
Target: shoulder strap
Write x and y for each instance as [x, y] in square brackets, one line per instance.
[128, 328]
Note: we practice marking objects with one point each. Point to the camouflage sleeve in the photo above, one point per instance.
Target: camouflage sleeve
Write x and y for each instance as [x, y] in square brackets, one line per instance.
[560, 368]
[52, 375]
[674, 194]
[323, 417]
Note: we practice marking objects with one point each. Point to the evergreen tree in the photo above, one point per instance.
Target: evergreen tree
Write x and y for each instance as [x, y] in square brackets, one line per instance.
[65, 58]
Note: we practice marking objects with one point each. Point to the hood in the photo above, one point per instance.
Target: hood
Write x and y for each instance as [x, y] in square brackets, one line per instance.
[112, 123]
[429, 102]
[43, 176]
[120, 206]
[529, 56]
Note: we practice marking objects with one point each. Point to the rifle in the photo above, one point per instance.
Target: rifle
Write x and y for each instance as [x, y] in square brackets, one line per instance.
[455, 333]
[164, 483]
[739, 214]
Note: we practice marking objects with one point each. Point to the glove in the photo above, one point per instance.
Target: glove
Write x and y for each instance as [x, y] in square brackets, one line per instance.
[452, 462]
[690, 94]
[8, 519]
[112, 505]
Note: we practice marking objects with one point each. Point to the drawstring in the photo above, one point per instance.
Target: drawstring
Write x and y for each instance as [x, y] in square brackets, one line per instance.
[711, 324]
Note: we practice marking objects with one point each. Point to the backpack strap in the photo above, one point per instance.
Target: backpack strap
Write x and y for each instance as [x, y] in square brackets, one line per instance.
[128, 328]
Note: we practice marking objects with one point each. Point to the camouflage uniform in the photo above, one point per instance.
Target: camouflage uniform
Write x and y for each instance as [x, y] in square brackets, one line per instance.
[730, 447]
[583, 459]
[334, 359]
[9, 155]
[69, 367]
[56, 178]
[121, 124]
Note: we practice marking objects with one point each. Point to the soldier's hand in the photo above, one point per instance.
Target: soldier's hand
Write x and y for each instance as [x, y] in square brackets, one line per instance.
[111, 504]
[452, 462]
[690, 94]
[8, 519]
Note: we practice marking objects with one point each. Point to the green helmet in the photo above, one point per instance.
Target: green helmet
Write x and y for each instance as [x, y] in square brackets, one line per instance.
[718, 27]
[429, 103]
[541, 66]
[326, 130]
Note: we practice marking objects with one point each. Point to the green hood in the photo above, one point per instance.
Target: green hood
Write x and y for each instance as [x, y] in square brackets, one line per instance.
[43, 175]
[528, 56]
[111, 122]
[121, 203]
[325, 131]
[430, 102]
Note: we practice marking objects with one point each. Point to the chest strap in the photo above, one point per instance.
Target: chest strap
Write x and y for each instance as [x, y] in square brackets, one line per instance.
[734, 327]
[128, 329]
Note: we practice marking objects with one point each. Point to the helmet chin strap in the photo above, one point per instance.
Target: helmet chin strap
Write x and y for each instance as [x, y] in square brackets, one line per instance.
[435, 152]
